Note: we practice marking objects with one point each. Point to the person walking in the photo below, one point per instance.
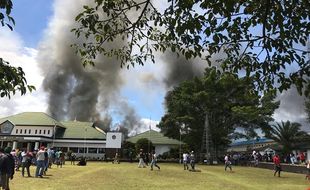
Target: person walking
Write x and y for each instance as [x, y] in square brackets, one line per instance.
[141, 161]
[26, 162]
[277, 165]
[227, 162]
[154, 161]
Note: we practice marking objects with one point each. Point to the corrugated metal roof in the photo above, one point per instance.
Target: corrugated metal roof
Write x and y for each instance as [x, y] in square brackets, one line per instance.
[32, 119]
[155, 137]
[250, 142]
[80, 130]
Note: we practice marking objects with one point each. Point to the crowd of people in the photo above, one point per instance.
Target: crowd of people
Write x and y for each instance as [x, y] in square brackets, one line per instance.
[252, 159]
[43, 159]
[12, 160]
[144, 159]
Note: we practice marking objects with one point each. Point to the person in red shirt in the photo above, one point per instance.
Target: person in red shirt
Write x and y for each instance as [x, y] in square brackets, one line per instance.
[302, 157]
[277, 165]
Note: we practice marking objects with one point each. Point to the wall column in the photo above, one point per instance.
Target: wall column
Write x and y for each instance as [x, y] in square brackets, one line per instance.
[14, 145]
[36, 146]
[29, 146]
[9, 144]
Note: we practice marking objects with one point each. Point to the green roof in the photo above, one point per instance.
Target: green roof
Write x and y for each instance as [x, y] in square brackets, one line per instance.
[32, 118]
[155, 137]
[81, 130]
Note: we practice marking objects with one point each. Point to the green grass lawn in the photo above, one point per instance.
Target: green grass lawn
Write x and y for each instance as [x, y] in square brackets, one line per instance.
[101, 176]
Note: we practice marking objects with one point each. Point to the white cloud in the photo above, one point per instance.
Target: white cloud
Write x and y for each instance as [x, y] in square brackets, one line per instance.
[149, 123]
[292, 108]
[12, 49]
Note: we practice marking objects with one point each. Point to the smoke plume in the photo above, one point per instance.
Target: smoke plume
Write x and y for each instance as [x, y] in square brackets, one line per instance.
[75, 92]
[179, 69]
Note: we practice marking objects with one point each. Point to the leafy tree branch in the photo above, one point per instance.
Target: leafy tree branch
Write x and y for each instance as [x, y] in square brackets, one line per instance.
[12, 79]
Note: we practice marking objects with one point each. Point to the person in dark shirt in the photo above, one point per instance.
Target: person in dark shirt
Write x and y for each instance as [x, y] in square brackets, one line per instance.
[7, 167]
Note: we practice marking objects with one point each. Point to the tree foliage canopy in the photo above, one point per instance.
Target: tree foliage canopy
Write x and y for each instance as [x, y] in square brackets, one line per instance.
[287, 134]
[144, 144]
[229, 102]
[5, 18]
[12, 79]
[262, 38]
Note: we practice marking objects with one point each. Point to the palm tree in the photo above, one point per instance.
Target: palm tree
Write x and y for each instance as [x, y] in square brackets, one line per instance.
[287, 134]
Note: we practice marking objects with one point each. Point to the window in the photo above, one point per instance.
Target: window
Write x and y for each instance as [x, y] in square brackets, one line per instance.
[36, 131]
[101, 150]
[20, 131]
[48, 132]
[16, 131]
[25, 131]
[40, 131]
[92, 150]
[44, 131]
[29, 131]
[74, 149]
[81, 150]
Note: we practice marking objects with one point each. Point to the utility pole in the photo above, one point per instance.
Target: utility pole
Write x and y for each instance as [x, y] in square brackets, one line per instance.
[180, 154]
[54, 131]
[148, 147]
[206, 141]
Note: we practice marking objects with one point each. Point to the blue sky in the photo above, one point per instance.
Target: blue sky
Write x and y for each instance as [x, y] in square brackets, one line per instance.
[31, 17]
[20, 47]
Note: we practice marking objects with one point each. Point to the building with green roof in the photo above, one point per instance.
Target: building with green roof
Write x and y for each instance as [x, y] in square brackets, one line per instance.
[32, 130]
[160, 142]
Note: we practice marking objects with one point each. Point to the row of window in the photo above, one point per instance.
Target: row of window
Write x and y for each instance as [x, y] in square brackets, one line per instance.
[84, 150]
[37, 131]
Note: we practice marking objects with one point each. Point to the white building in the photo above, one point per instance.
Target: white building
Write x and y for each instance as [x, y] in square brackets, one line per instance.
[31, 130]
[161, 143]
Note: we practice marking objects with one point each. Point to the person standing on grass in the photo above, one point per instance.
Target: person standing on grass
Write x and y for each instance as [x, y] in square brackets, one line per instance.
[154, 161]
[185, 160]
[40, 162]
[308, 170]
[45, 161]
[50, 160]
[192, 160]
[7, 167]
[116, 159]
[277, 165]
[26, 162]
[73, 157]
[227, 162]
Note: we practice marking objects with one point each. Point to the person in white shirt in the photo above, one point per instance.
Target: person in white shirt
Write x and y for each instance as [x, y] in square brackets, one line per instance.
[308, 170]
[154, 161]
[40, 162]
[227, 162]
[185, 161]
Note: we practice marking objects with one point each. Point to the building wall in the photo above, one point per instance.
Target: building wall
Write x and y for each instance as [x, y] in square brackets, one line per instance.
[160, 149]
[89, 150]
[33, 131]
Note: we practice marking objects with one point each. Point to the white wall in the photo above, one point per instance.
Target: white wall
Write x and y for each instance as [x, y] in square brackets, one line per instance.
[79, 145]
[24, 131]
[160, 149]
